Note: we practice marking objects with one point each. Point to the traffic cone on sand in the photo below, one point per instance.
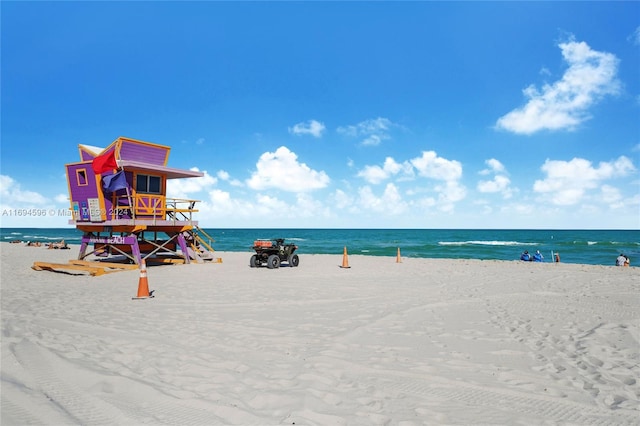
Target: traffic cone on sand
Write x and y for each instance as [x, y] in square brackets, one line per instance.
[143, 283]
[398, 258]
[345, 259]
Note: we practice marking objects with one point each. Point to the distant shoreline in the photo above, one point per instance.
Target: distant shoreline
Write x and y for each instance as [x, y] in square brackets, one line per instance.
[73, 250]
[370, 229]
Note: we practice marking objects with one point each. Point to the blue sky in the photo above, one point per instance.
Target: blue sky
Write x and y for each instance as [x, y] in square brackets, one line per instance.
[335, 114]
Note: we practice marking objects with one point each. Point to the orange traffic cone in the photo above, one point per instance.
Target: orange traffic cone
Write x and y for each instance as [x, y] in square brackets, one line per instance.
[143, 283]
[398, 258]
[345, 259]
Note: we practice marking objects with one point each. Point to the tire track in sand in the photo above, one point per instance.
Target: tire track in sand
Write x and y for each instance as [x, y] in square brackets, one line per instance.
[79, 407]
[135, 402]
[549, 408]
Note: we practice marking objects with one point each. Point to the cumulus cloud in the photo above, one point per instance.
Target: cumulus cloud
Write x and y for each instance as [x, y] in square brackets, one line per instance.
[307, 206]
[281, 170]
[389, 203]
[450, 192]
[372, 131]
[13, 195]
[180, 188]
[635, 37]
[222, 205]
[376, 174]
[311, 127]
[446, 173]
[341, 199]
[495, 166]
[61, 198]
[500, 182]
[610, 194]
[266, 205]
[564, 104]
[223, 175]
[568, 181]
[431, 166]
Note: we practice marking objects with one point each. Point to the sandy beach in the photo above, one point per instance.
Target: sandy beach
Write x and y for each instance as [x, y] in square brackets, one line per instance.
[421, 342]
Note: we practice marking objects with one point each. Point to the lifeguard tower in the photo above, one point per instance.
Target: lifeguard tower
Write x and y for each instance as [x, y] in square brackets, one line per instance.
[118, 200]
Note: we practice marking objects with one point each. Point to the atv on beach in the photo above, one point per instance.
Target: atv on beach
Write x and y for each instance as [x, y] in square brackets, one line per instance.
[273, 253]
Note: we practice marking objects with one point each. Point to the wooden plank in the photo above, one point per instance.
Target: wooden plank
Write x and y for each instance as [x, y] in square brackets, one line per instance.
[182, 210]
[100, 227]
[164, 260]
[39, 266]
[113, 265]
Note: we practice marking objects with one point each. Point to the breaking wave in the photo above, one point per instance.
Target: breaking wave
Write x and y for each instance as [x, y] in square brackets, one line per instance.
[484, 243]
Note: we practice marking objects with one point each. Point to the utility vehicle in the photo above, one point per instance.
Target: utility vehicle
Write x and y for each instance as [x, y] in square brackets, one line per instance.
[273, 253]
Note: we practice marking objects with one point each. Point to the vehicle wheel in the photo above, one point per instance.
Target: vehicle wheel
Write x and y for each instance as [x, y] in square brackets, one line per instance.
[254, 262]
[273, 261]
[293, 260]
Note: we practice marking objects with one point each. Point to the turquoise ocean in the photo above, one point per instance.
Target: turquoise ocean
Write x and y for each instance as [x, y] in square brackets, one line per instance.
[595, 247]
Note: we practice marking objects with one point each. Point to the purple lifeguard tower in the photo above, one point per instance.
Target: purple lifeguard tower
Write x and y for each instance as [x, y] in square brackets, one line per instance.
[118, 200]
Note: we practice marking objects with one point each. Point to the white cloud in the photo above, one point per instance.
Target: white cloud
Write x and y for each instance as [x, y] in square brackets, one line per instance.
[449, 194]
[13, 195]
[500, 182]
[61, 198]
[450, 191]
[429, 165]
[635, 37]
[610, 194]
[447, 173]
[373, 140]
[220, 204]
[568, 181]
[180, 188]
[307, 206]
[376, 174]
[235, 211]
[341, 199]
[389, 203]
[281, 170]
[564, 104]
[373, 131]
[495, 166]
[266, 205]
[24, 208]
[311, 127]
[226, 177]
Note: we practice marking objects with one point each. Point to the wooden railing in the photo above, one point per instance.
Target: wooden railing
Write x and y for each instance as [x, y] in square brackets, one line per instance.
[149, 205]
[180, 209]
[154, 207]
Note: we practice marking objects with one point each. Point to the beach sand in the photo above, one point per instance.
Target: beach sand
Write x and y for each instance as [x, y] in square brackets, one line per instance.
[424, 341]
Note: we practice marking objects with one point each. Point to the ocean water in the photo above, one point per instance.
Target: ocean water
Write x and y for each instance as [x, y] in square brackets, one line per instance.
[595, 247]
